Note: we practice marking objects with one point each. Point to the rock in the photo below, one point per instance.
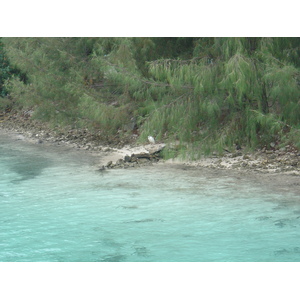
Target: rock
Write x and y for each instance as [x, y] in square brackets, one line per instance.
[294, 163]
[133, 158]
[120, 162]
[143, 160]
[233, 155]
[152, 149]
[141, 155]
[109, 164]
[155, 157]
[235, 165]
[127, 158]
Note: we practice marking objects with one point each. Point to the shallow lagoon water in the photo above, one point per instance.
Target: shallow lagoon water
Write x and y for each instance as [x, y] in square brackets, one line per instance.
[55, 206]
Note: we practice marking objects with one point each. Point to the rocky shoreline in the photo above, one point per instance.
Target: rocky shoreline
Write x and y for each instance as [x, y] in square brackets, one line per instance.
[116, 154]
[264, 161]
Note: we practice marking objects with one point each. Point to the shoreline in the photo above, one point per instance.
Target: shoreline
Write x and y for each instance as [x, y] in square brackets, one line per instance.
[282, 161]
[245, 168]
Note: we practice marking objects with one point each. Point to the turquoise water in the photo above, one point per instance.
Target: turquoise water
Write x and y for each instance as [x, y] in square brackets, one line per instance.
[55, 206]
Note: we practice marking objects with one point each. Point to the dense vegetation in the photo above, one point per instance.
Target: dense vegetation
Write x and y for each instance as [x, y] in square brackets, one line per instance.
[6, 72]
[208, 94]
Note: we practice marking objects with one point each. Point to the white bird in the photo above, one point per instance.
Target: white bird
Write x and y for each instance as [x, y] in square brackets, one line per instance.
[151, 139]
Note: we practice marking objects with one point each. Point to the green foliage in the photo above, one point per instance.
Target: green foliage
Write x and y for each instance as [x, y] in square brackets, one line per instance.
[60, 71]
[292, 137]
[284, 91]
[6, 72]
[262, 129]
[207, 94]
[239, 80]
[108, 118]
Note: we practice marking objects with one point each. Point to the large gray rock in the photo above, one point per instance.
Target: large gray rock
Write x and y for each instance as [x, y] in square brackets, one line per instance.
[152, 149]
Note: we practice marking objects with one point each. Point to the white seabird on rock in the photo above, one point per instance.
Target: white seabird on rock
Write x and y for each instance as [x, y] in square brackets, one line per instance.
[151, 139]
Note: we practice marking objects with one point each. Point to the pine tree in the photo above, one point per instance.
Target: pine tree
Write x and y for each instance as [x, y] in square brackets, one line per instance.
[208, 92]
